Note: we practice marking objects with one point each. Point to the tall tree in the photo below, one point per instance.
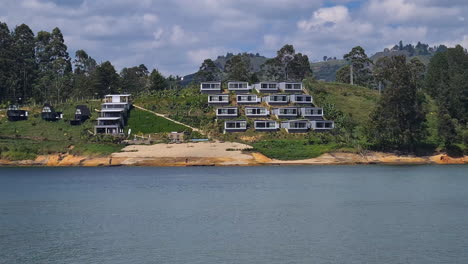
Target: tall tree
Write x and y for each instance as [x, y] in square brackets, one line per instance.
[25, 64]
[60, 63]
[237, 68]
[106, 80]
[157, 81]
[287, 65]
[360, 73]
[85, 66]
[134, 79]
[208, 72]
[6, 61]
[446, 83]
[398, 120]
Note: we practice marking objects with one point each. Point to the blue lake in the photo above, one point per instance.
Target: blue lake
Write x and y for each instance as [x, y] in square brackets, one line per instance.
[303, 214]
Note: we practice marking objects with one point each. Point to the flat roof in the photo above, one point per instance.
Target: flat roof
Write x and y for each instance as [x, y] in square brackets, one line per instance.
[109, 118]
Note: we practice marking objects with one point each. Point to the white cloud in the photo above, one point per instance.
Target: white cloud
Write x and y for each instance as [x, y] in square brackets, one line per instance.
[175, 36]
[197, 56]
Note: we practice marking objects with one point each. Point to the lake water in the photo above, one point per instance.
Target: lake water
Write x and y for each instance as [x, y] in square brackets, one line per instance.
[314, 214]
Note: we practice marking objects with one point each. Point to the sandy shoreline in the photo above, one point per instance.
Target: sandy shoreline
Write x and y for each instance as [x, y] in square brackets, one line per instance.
[220, 154]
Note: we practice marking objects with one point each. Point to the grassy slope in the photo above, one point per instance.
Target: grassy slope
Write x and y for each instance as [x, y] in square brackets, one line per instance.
[356, 101]
[142, 122]
[26, 139]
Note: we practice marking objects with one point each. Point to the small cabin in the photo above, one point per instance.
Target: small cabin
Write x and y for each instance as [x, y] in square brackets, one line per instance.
[227, 112]
[275, 99]
[15, 114]
[235, 126]
[239, 87]
[256, 112]
[266, 87]
[210, 87]
[49, 114]
[312, 112]
[266, 125]
[296, 126]
[218, 99]
[290, 87]
[301, 99]
[248, 99]
[286, 112]
[82, 114]
[322, 125]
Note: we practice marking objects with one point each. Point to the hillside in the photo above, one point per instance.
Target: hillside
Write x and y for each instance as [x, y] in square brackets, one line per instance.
[355, 101]
[326, 70]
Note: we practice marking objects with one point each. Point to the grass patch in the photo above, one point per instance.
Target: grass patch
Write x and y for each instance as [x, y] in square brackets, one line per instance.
[96, 149]
[356, 101]
[292, 149]
[142, 122]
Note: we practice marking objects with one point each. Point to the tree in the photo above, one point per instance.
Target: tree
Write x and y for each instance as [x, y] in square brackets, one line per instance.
[135, 79]
[208, 72]
[106, 80]
[82, 77]
[342, 75]
[398, 120]
[6, 61]
[60, 63]
[157, 81]
[237, 68]
[25, 66]
[360, 73]
[287, 65]
[446, 83]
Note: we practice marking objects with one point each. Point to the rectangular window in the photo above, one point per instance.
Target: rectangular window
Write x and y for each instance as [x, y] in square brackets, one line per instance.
[272, 86]
[264, 85]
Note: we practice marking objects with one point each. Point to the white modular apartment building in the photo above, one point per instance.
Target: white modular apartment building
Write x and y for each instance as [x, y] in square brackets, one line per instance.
[248, 99]
[235, 126]
[113, 114]
[266, 125]
[210, 87]
[322, 125]
[301, 99]
[290, 87]
[296, 126]
[239, 87]
[285, 112]
[227, 112]
[252, 111]
[276, 99]
[312, 113]
[266, 87]
[218, 99]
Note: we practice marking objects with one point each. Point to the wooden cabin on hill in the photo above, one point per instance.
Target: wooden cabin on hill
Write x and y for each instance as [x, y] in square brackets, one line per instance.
[82, 114]
[49, 114]
[15, 114]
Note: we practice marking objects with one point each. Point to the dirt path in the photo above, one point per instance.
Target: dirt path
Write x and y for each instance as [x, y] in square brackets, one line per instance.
[170, 119]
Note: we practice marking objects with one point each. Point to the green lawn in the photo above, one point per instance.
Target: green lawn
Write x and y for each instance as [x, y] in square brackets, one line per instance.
[142, 122]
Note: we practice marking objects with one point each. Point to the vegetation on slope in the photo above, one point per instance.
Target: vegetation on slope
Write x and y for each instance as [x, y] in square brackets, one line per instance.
[143, 122]
[26, 139]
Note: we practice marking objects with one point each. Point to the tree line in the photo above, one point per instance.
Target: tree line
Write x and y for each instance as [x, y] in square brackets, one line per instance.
[286, 66]
[401, 120]
[38, 68]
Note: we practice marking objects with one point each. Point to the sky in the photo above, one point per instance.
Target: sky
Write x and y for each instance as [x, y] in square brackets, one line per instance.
[175, 36]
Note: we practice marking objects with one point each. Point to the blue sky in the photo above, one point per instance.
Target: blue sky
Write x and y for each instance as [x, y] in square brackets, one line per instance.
[175, 36]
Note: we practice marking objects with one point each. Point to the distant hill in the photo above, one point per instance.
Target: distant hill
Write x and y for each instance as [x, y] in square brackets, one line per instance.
[326, 70]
